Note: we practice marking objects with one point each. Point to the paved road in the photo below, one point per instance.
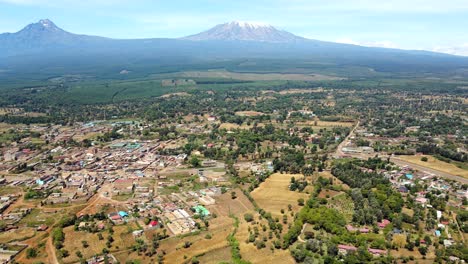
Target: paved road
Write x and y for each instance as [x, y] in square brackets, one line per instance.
[339, 153]
[438, 173]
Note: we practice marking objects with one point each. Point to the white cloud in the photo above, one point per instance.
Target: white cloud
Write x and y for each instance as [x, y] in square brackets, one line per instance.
[461, 50]
[64, 3]
[396, 6]
[379, 44]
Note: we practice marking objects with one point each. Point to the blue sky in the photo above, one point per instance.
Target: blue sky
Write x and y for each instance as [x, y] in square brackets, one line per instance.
[409, 24]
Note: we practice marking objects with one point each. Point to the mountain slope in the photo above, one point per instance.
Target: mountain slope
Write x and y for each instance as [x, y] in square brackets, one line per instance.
[43, 48]
[245, 31]
[41, 36]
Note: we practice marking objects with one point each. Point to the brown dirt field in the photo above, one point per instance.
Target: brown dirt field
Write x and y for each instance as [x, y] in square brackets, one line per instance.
[436, 164]
[249, 113]
[122, 239]
[250, 252]
[225, 205]
[175, 252]
[274, 195]
[216, 256]
[330, 193]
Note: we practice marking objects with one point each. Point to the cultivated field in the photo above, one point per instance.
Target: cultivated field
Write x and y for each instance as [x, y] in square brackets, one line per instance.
[250, 252]
[200, 245]
[301, 91]
[325, 124]
[17, 235]
[231, 126]
[344, 204]
[248, 113]
[274, 194]
[254, 76]
[73, 241]
[436, 164]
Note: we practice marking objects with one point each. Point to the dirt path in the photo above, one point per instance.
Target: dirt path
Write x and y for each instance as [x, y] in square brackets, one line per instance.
[454, 215]
[299, 238]
[50, 250]
[97, 200]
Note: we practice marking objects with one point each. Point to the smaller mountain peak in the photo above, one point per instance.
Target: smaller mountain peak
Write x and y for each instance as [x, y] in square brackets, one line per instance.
[46, 23]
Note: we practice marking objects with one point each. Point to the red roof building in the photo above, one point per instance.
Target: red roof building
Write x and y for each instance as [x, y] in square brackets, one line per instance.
[384, 223]
[377, 252]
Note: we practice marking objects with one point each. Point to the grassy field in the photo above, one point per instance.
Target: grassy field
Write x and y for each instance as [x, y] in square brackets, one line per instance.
[274, 194]
[231, 126]
[253, 76]
[38, 217]
[250, 252]
[328, 194]
[17, 235]
[5, 190]
[344, 204]
[175, 253]
[436, 164]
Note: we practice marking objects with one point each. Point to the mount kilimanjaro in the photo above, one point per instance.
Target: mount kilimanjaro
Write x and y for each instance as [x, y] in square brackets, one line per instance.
[245, 31]
[46, 47]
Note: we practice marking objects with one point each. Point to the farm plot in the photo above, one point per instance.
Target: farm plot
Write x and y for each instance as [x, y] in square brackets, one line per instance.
[343, 203]
[122, 236]
[274, 194]
[251, 253]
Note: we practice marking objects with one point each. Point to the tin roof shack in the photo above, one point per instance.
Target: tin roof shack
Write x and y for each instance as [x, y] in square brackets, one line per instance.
[5, 201]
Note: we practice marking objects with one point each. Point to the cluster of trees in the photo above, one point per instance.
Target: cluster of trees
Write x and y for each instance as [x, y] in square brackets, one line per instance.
[373, 196]
[356, 177]
[433, 149]
[291, 161]
[297, 184]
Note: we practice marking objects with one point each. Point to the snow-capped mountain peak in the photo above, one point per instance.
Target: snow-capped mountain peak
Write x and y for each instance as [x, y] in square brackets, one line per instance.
[245, 24]
[245, 31]
[46, 23]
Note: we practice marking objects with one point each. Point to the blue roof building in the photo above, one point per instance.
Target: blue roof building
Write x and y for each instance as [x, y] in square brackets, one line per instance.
[123, 214]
